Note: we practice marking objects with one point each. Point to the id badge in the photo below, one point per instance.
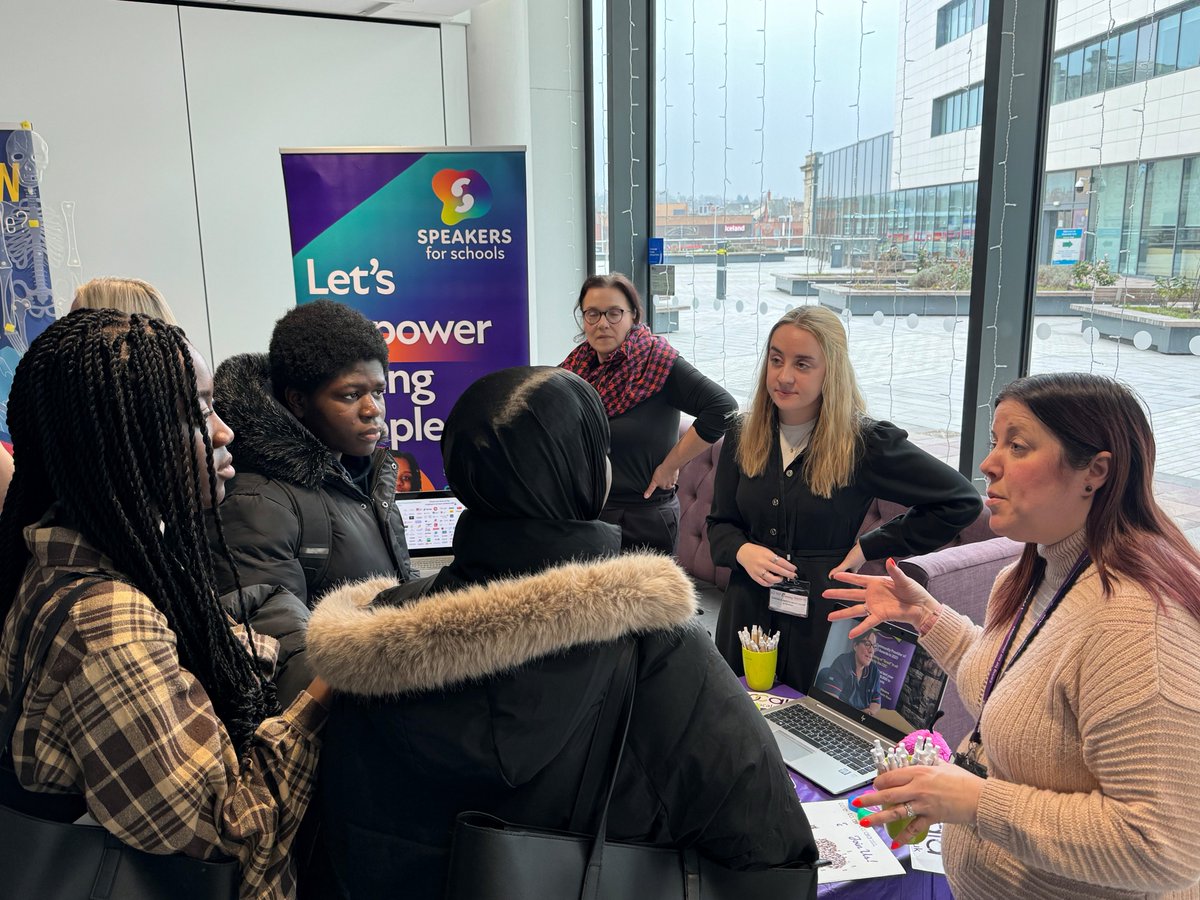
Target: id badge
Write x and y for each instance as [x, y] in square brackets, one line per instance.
[790, 598]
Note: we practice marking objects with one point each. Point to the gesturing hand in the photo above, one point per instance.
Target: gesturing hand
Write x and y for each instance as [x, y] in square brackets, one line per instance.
[881, 598]
[764, 565]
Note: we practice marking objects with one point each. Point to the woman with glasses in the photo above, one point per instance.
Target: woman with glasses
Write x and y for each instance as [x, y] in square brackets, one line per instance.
[854, 676]
[645, 385]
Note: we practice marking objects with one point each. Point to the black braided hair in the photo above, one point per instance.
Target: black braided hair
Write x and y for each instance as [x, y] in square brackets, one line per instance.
[103, 415]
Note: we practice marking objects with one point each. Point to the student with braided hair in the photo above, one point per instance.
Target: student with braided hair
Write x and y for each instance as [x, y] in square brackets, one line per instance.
[205, 765]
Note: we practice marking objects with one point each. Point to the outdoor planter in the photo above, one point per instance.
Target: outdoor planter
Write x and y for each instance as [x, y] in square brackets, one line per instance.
[865, 301]
[807, 285]
[1167, 334]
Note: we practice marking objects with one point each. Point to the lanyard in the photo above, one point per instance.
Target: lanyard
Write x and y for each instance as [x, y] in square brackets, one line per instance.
[995, 674]
[783, 465]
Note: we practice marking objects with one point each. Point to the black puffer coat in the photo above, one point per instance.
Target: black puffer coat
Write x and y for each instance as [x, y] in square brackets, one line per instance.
[486, 698]
[263, 525]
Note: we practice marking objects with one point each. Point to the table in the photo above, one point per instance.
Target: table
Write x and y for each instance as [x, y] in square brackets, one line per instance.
[913, 885]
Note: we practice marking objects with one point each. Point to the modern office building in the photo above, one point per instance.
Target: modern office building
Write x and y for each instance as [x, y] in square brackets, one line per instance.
[1123, 154]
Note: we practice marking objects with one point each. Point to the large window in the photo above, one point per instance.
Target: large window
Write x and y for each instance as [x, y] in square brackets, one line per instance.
[1156, 45]
[957, 111]
[959, 17]
[807, 157]
[1120, 258]
[771, 195]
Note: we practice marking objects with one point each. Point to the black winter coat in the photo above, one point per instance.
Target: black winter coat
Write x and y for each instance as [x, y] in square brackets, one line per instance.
[486, 698]
[262, 524]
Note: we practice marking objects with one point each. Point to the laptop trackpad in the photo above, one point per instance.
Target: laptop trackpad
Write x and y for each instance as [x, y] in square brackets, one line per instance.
[790, 748]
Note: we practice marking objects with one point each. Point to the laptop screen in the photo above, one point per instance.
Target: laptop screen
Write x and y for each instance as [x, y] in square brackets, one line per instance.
[884, 679]
[429, 520]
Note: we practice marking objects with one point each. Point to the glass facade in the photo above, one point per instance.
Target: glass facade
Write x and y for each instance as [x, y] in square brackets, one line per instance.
[1143, 217]
[1166, 42]
[836, 228]
[957, 111]
[1140, 216]
[958, 17]
[938, 219]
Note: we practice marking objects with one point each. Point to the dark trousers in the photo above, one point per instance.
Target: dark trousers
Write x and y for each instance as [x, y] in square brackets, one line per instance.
[650, 525]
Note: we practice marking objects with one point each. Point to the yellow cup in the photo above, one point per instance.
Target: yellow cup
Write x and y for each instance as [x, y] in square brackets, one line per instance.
[760, 668]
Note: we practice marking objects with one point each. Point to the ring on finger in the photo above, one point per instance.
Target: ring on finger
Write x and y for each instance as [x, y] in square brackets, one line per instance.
[909, 810]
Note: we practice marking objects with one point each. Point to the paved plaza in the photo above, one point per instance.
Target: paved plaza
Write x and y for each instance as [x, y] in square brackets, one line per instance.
[911, 369]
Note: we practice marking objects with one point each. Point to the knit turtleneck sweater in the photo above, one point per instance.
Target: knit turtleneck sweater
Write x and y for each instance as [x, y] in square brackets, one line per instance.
[1089, 740]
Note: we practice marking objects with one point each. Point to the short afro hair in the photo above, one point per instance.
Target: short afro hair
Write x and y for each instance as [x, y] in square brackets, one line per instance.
[316, 341]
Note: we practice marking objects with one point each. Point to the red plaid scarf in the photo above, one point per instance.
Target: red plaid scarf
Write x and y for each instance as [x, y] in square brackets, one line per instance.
[634, 372]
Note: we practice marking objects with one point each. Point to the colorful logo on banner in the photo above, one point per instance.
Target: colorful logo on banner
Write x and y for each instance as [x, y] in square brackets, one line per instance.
[26, 302]
[431, 246]
[457, 204]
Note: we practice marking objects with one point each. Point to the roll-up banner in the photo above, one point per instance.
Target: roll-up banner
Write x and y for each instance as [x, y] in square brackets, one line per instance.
[431, 245]
[26, 302]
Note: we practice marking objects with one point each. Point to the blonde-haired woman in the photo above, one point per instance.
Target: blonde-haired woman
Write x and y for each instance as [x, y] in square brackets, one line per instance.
[795, 478]
[129, 295]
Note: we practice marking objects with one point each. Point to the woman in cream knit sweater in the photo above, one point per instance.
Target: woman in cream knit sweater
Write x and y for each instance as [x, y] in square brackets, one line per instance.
[1085, 675]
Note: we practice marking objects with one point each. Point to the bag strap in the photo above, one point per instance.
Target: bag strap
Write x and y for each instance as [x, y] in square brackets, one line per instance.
[600, 754]
[16, 701]
[316, 534]
[627, 664]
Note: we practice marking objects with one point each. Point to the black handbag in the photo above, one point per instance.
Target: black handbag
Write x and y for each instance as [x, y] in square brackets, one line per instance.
[491, 859]
[44, 856]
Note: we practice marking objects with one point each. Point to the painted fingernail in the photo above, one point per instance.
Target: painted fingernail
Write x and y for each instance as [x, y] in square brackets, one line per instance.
[891, 561]
[895, 845]
[856, 802]
[865, 821]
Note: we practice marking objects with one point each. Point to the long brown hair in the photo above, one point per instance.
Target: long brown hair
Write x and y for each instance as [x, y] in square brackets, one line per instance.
[1128, 534]
[837, 439]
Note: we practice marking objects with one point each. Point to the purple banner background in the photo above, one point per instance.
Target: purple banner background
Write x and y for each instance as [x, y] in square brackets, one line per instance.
[430, 245]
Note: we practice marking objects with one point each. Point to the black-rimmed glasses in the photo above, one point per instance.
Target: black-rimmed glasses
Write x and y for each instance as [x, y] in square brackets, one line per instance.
[614, 314]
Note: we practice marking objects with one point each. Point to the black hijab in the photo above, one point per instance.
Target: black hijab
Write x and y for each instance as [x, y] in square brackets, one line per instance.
[526, 451]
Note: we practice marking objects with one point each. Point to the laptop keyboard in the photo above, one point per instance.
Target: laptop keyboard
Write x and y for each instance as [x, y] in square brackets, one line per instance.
[842, 745]
[431, 565]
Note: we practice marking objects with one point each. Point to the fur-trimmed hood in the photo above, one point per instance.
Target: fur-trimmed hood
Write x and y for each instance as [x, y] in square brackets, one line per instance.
[450, 638]
[268, 439]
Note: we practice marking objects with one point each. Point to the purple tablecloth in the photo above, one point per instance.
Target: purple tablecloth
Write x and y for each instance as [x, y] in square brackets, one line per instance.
[909, 886]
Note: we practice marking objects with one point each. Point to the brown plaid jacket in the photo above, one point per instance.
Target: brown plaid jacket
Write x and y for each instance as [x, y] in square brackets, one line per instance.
[114, 716]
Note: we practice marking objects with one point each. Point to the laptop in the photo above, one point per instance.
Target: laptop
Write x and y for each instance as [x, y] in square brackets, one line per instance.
[827, 736]
[429, 520]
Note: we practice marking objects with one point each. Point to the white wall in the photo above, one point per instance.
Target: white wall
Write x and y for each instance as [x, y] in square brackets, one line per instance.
[103, 85]
[302, 82]
[526, 88]
[132, 98]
